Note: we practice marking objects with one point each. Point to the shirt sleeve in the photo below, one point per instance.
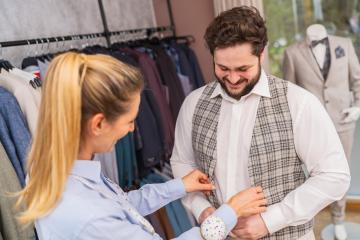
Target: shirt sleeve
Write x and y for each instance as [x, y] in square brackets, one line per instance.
[109, 227]
[225, 213]
[151, 197]
[183, 158]
[319, 148]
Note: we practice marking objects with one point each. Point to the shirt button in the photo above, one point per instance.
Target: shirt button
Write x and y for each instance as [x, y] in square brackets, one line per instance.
[326, 101]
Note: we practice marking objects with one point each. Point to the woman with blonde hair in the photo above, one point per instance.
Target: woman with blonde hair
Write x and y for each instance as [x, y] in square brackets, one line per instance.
[88, 103]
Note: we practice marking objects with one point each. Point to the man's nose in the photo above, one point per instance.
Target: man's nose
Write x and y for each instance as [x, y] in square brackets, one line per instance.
[233, 77]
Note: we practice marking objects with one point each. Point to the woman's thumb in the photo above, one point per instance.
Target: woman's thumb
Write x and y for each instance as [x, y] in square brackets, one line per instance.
[206, 187]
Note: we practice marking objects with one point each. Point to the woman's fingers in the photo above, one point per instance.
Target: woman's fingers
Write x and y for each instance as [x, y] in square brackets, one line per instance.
[197, 181]
[206, 187]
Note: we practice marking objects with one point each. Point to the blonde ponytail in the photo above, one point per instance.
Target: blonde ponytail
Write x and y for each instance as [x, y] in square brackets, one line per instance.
[76, 87]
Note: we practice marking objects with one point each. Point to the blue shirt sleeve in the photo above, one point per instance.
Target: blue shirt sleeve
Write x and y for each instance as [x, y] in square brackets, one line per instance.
[151, 197]
[113, 228]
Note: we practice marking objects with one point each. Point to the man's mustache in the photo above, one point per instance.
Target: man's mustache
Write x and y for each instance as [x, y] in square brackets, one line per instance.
[237, 82]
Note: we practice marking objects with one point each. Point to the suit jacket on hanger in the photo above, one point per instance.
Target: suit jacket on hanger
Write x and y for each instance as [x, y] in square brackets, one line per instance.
[10, 229]
[340, 90]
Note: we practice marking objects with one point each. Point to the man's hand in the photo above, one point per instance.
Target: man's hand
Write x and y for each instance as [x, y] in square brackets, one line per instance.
[207, 212]
[252, 227]
[248, 202]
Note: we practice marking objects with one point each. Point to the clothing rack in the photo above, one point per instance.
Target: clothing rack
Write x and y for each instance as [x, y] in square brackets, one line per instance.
[148, 32]
[171, 17]
[50, 39]
[107, 34]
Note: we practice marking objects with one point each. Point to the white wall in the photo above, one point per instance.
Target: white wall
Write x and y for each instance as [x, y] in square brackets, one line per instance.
[27, 19]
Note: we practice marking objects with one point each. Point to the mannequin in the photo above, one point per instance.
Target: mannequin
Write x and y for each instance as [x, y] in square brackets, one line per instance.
[328, 67]
[318, 32]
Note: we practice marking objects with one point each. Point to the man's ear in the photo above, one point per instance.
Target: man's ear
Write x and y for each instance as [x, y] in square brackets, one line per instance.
[97, 124]
[262, 56]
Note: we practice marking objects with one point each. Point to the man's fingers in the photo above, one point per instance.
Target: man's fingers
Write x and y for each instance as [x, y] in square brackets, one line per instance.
[258, 210]
[261, 202]
[258, 189]
[242, 233]
[262, 209]
[260, 196]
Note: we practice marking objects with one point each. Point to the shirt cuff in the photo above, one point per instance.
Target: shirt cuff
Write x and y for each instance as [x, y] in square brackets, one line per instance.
[274, 218]
[198, 205]
[176, 188]
[228, 215]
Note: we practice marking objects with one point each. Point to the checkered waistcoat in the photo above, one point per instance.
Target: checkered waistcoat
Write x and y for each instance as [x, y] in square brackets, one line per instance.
[273, 162]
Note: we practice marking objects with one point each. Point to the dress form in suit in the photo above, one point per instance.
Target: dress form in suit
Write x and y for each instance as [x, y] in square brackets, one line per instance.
[337, 86]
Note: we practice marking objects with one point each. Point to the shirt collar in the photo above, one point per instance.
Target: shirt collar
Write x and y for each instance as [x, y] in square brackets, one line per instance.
[261, 89]
[87, 169]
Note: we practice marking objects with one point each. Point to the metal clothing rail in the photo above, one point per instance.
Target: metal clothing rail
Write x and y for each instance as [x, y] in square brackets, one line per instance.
[107, 34]
[148, 31]
[50, 39]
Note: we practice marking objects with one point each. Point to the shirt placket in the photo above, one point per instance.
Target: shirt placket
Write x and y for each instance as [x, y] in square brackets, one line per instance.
[233, 148]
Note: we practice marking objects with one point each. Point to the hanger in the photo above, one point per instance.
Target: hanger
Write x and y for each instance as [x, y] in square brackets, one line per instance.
[187, 39]
[29, 60]
[49, 56]
[4, 64]
[41, 57]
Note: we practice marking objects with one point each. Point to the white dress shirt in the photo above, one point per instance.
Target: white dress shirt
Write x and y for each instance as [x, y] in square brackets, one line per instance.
[319, 52]
[316, 141]
[28, 98]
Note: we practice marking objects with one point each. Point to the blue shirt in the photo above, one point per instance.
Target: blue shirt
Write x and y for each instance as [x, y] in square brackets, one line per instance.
[14, 134]
[102, 210]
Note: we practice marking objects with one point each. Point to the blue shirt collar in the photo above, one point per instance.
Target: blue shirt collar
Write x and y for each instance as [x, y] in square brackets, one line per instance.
[87, 169]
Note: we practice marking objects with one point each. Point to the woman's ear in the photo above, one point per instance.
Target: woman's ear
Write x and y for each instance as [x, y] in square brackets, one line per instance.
[97, 124]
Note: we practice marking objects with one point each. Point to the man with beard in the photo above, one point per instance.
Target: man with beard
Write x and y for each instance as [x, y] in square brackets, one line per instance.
[253, 129]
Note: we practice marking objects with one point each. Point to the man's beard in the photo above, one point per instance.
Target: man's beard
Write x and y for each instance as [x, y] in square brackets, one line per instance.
[251, 84]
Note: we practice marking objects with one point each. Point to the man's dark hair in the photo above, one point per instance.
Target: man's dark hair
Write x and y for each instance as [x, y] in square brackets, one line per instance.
[237, 26]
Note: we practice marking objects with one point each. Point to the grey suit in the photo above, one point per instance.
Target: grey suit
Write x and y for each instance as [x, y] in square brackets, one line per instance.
[342, 86]
[10, 229]
[340, 90]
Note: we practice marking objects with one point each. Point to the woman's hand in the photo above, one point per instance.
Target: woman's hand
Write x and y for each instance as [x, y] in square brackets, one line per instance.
[197, 181]
[248, 202]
